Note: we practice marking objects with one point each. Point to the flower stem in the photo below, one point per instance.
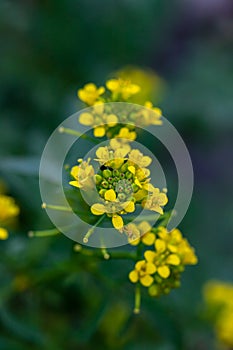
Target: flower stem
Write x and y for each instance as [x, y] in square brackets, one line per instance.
[99, 253]
[92, 229]
[137, 304]
[73, 132]
[56, 207]
[44, 233]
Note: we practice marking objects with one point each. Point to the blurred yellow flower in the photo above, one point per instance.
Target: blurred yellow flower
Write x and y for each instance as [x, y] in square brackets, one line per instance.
[90, 93]
[139, 233]
[155, 200]
[8, 211]
[122, 88]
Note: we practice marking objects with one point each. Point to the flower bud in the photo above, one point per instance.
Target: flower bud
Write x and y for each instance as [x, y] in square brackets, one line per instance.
[104, 184]
[98, 179]
[107, 173]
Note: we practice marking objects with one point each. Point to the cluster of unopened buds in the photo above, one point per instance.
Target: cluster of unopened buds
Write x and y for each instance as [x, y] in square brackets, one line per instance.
[117, 180]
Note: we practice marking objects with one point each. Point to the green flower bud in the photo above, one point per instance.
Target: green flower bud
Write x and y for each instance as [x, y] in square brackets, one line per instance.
[135, 188]
[154, 290]
[110, 180]
[104, 184]
[166, 290]
[98, 179]
[128, 175]
[158, 279]
[124, 168]
[107, 173]
[121, 196]
[115, 173]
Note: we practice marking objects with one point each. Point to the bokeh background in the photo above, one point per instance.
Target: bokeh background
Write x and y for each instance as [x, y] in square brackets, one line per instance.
[50, 297]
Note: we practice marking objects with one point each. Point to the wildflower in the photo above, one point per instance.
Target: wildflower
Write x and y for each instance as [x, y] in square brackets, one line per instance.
[112, 206]
[90, 93]
[142, 272]
[136, 157]
[122, 88]
[152, 118]
[83, 175]
[98, 119]
[124, 133]
[155, 200]
[140, 233]
[8, 211]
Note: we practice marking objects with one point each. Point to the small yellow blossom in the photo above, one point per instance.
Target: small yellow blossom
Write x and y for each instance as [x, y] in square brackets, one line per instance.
[139, 233]
[3, 233]
[83, 175]
[136, 157]
[152, 118]
[155, 200]
[124, 133]
[142, 272]
[90, 93]
[122, 88]
[8, 211]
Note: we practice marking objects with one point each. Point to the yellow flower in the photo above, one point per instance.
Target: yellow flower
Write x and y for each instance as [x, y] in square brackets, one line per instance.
[126, 134]
[162, 261]
[83, 175]
[122, 88]
[155, 200]
[90, 93]
[113, 207]
[139, 233]
[112, 157]
[224, 327]
[8, 211]
[3, 233]
[152, 118]
[136, 157]
[142, 272]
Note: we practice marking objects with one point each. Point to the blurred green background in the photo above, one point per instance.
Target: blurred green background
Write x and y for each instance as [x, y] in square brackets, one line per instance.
[50, 297]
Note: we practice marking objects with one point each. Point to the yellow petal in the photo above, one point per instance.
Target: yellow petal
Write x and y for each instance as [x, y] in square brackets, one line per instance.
[134, 242]
[98, 107]
[146, 280]
[117, 222]
[74, 171]
[173, 259]
[138, 183]
[150, 256]
[133, 276]
[131, 169]
[139, 195]
[86, 119]
[148, 238]
[102, 153]
[3, 233]
[150, 268]
[130, 207]
[144, 227]
[157, 209]
[113, 84]
[99, 131]
[164, 271]
[112, 119]
[110, 195]
[140, 264]
[98, 209]
[75, 184]
[172, 248]
[160, 245]
[146, 161]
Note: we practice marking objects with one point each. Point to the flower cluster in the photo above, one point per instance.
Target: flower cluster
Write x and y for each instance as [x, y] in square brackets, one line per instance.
[106, 119]
[162, 265]
[122, 182]
[219, 300]
[8, 211]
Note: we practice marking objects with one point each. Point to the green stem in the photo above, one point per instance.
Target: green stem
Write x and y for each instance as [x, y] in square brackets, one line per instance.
[56, 207]
[137, 304]
[92, 229]
[44, 233]
[73, 132]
